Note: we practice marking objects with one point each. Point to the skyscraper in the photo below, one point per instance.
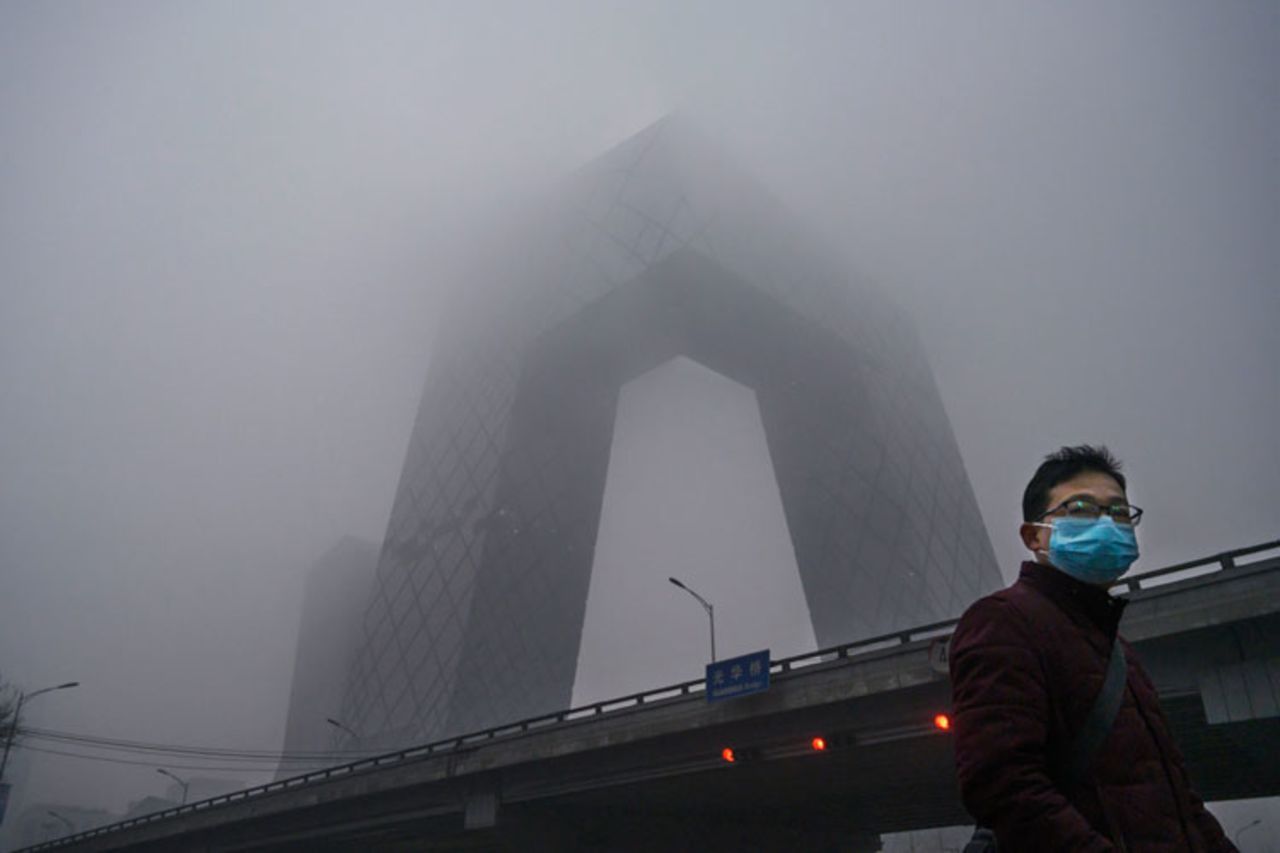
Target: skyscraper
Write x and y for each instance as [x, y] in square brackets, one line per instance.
[658, 249]
[330, 632]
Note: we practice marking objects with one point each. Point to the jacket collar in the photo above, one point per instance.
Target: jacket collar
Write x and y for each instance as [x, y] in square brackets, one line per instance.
[1094, 603]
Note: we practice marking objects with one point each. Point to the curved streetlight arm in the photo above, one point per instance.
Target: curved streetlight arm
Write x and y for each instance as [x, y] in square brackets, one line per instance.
[337, 725]
[184, 785]
[707, 606]
[23, 698]
[31, 696]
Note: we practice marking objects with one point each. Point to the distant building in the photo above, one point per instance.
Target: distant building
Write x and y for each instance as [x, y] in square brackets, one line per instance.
[336, 592]
[656, 250]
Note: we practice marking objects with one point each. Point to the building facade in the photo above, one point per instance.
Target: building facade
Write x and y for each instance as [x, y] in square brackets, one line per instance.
[330, 631]
[658, 249]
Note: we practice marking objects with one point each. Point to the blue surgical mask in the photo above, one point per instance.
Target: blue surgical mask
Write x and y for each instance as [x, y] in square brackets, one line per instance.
[1096, 551]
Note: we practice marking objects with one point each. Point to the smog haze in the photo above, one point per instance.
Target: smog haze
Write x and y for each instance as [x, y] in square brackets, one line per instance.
[228, 232]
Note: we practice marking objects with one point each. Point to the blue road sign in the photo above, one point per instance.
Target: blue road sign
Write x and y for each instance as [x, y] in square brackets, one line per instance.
[740, 676]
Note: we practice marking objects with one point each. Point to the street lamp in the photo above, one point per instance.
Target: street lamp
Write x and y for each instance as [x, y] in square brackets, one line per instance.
[164, 772]
[1249, 825]
[71, 827]
[711, 614]
[17, 712]
[337, 725]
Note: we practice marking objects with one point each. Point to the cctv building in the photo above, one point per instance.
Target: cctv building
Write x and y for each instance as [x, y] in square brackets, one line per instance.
[657, 250]
[330, 631]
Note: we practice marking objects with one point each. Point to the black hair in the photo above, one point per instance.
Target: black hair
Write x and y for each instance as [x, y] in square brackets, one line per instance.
[1062, 465]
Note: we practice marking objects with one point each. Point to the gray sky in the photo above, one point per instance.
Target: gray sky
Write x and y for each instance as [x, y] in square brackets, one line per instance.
[691, 494]
[224, 228]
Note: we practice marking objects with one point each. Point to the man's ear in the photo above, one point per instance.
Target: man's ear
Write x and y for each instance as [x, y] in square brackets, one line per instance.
[1031, 537]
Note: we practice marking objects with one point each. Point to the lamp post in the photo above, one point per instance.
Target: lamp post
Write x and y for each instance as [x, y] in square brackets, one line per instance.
[17, 718]
[1249, 825]
[711, 613]
[184, 785]
[71, 827]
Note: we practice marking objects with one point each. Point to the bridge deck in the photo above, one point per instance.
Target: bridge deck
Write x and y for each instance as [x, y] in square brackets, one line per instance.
[629, 766]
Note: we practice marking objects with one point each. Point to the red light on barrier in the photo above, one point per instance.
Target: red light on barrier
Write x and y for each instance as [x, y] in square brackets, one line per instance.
[943, 722]
[818, 744]
[727, 754]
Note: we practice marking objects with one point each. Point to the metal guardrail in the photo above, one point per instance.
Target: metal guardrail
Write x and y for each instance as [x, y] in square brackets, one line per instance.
[1224, 561]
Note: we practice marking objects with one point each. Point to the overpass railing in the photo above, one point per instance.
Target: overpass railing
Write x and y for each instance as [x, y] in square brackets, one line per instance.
[1195, 568]
[1225, 561]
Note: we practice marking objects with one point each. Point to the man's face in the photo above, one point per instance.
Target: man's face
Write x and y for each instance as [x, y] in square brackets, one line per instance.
[1093, 486]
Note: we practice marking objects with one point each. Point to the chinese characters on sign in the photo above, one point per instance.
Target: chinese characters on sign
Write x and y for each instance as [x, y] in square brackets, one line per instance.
[728, 679]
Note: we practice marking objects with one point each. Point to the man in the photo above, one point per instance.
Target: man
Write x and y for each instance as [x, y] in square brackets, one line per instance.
[1027, 665]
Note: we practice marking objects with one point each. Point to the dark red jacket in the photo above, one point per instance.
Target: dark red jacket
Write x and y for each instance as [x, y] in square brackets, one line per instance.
[1026, 666]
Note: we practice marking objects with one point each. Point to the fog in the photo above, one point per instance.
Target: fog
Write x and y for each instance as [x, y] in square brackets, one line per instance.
[691, 494]
[226, 230]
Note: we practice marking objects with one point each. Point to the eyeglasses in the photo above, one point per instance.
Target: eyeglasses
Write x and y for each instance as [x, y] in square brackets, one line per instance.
[1080, 508]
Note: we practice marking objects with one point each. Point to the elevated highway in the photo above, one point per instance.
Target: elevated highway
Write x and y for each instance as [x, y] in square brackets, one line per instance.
[646, 771]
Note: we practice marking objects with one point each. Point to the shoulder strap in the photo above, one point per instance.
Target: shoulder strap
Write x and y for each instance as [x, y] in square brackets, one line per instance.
[1101, 716]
